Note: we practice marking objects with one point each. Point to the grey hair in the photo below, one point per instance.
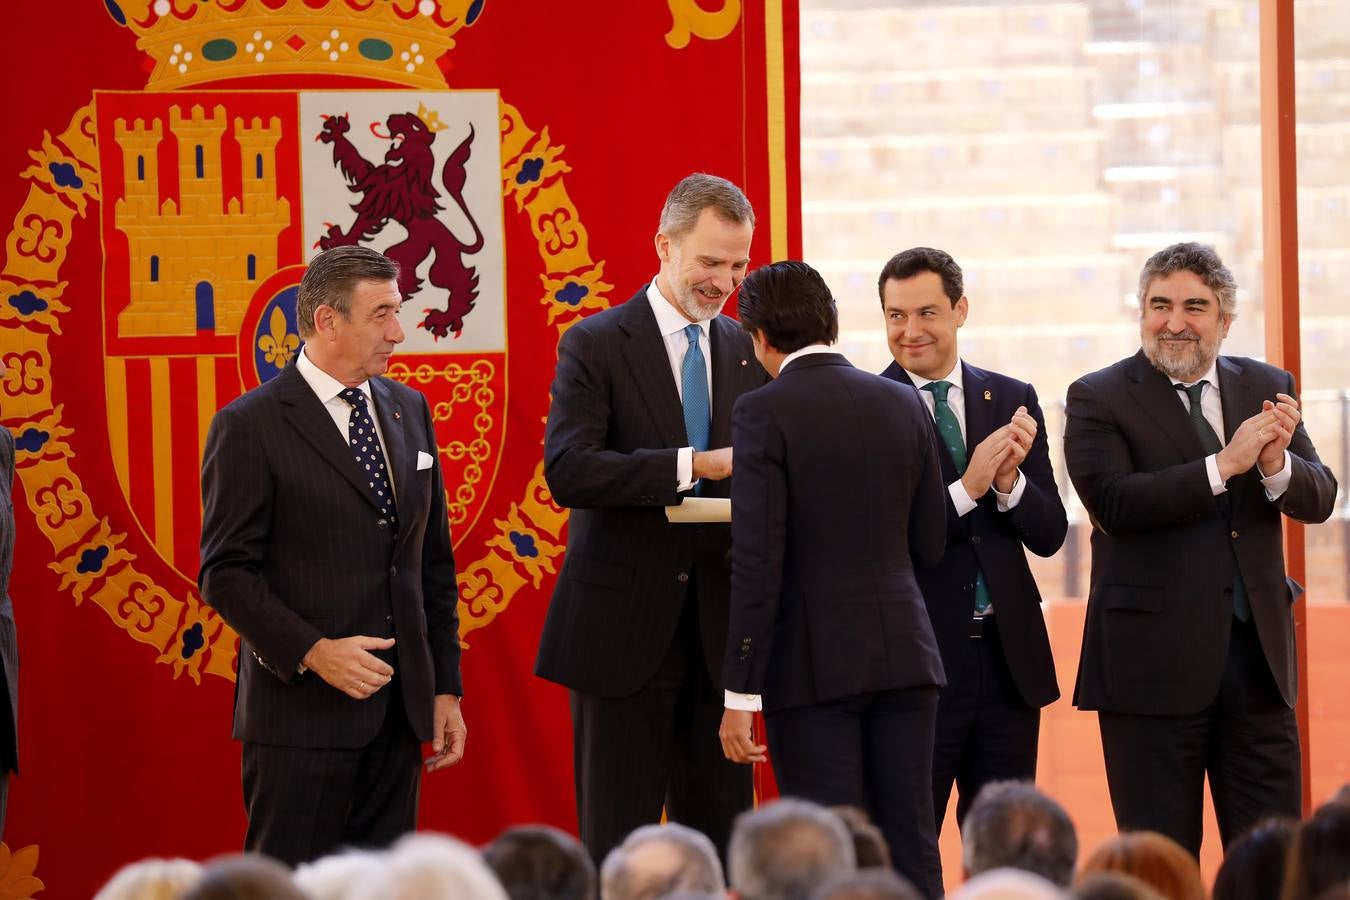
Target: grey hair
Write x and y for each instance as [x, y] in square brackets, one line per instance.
[698, 192]
[697, 870]
[1200, 260]
[1013, 825]
[332, 275]
[431, 865]
[786, 849]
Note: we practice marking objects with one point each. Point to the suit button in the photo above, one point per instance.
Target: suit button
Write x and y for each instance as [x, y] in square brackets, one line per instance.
[389, 618]
[682, 577]
[393, 570]
[383, 523]
[1233, 535]
[975, 539]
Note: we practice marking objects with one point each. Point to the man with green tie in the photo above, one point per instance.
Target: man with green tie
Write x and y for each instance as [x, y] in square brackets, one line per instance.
[1001, 502]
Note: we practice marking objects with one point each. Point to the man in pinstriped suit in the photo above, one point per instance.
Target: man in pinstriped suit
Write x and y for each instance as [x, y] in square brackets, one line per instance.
[325, 544]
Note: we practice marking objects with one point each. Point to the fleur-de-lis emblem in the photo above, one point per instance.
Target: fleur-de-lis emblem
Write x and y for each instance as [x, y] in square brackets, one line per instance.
[280, 345]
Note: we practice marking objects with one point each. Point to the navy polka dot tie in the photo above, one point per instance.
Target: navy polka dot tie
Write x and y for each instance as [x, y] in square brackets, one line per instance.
[365, 446]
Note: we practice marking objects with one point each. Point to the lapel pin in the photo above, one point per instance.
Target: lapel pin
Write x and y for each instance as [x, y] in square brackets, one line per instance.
[398, 415]
[987, 396]
[744, 363]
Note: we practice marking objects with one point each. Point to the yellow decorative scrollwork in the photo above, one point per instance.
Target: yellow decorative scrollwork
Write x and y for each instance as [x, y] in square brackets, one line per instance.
[692, 19]
[18, 873]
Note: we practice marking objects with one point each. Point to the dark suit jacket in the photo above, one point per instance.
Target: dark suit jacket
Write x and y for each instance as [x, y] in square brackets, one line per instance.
[9, 640]
[613, 433]
[1163, 556]
[294, 549]
[994, 542]
[837, 483]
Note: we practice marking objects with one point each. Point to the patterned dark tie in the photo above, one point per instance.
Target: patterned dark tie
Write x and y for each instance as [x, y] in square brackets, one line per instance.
[950, 431]
[1242, 606]
[365, 447]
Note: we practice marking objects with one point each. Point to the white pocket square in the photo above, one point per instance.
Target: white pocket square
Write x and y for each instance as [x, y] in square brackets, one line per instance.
[424, 460]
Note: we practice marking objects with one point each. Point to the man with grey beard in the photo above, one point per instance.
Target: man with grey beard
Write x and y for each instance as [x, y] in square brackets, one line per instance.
[641, 419]
[1184, 460]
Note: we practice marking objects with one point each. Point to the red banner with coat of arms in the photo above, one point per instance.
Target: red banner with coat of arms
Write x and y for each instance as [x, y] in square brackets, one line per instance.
[174, 163]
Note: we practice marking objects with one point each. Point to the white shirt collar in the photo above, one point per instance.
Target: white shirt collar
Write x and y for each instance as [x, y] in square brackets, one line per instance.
[953, 378]
[670, 320]
[805, 351]
[324, 385]
[1211, 375]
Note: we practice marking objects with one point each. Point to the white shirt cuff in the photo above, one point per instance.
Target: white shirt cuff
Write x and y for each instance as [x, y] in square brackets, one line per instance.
[1216, 484]
[1012, 498]
[742, 702]
[684, 469]
[960, 497]
[1278, 483]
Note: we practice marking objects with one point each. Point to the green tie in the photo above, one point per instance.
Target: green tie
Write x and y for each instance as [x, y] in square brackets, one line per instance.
[950, 431]
[1242, 606]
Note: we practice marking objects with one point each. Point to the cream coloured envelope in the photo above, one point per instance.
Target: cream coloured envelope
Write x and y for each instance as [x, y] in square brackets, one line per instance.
[700, 509]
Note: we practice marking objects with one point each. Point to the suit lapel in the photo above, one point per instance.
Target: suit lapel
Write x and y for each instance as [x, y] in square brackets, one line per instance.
[1236, 397]
[645, 353]
[979, 407]
[1239, 401]
[1154, 393]
[315, 426]
[400, 458]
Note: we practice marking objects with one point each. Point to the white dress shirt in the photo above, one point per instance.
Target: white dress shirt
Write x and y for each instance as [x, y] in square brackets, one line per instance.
[327, 388]
[672, 323]
[956, 399]
[1211, 407]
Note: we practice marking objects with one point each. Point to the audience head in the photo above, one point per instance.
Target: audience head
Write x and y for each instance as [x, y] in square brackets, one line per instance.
[869, 844]
[1342, 795]
[1154, 859]
[1013, 825]
[1253, 866]
[867, 884]
[1008, 884]
[657, 860]
[536, 862]
[335, 877]
[244, 877]
[430, 865]
[786, 849]
[1319, 856]
[1113, 886]
[152, 879]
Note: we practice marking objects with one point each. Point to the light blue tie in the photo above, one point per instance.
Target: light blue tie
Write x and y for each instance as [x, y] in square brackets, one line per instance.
[694, 392]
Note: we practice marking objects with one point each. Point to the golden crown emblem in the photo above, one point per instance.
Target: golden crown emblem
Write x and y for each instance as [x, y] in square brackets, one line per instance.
[198, 41]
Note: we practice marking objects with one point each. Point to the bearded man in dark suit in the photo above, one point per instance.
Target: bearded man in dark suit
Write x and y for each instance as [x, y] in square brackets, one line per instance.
[641, 418]
[1185, 461]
